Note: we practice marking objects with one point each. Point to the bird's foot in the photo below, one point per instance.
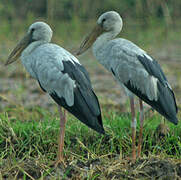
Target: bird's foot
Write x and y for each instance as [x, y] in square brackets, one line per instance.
[59, 161]
[131, 159]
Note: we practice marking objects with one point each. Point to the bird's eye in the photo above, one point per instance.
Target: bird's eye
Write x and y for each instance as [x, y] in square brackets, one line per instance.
[103, 20]
[32, 30]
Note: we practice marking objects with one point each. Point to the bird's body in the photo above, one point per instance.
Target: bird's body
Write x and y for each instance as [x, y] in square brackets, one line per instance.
[133, 69]
[123, 59]
[61, 75]
[139, 74]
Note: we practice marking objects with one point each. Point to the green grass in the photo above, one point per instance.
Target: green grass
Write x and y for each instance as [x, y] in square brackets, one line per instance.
[28, 142]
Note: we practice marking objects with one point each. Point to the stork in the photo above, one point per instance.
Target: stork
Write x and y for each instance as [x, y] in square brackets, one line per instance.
[133, 69]
[61, 75]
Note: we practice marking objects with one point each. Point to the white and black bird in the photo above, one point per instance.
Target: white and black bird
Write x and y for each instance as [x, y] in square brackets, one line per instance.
[133, 68]
[61, 75]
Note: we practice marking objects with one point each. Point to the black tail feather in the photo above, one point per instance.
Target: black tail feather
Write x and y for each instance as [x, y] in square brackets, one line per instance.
[82, 110]
[166, 103]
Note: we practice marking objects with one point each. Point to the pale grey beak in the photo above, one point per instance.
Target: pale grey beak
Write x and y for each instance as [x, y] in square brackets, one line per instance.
[90, 39]
[15, 54]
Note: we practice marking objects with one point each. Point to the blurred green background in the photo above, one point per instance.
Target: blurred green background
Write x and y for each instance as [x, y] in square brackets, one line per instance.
[72, 17]
[67, 10]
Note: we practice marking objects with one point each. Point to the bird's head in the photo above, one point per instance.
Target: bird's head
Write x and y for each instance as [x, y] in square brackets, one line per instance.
[38, 31]
[110, 21]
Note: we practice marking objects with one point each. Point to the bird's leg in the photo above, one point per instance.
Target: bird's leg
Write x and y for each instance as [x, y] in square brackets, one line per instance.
[141, 127]
[61, 135]
[133, 126]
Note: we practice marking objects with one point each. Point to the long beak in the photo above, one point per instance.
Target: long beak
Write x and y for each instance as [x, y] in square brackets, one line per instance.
[90, 39]
[15, 54]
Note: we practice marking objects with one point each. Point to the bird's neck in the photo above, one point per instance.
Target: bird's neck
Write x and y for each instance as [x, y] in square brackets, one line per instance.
[26, 57]
[31, 47]
[101, 41]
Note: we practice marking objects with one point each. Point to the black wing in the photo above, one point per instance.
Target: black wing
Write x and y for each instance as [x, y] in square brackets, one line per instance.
[86, 105]
[153, 68]
[166, 103]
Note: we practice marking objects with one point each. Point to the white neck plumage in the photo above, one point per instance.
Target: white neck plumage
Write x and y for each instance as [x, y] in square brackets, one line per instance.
[102, 40]
[31, 47]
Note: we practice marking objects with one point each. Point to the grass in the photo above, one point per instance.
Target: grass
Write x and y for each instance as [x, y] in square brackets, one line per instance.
[28, 144]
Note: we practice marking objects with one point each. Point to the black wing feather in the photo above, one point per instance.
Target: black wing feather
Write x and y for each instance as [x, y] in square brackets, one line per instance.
[166, 103]
[86, 106]
[153, 68]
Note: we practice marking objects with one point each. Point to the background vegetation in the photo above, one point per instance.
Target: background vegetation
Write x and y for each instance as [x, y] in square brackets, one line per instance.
[67, 9]
[29, 121]
[145, 13]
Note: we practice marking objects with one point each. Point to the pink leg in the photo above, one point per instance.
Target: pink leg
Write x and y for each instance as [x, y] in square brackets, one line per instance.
[133, 126]
[63, 120]
[141, 127]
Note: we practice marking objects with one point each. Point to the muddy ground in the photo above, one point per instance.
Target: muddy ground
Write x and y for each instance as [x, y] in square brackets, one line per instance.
[105, 168]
